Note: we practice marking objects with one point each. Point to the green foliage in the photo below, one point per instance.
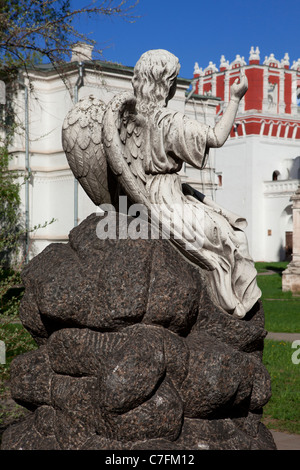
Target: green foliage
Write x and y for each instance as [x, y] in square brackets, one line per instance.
[17, 341]
[32, 31]
[11, 236]
[10, 215]
[29, 27]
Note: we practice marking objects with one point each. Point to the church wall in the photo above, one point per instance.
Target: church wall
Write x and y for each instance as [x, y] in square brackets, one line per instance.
[51, 188]
[259, 164]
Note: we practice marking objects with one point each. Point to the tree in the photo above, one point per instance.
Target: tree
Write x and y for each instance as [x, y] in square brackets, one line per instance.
[35, 30]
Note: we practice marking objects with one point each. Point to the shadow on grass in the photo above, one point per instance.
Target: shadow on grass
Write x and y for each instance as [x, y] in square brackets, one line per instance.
[278, 270]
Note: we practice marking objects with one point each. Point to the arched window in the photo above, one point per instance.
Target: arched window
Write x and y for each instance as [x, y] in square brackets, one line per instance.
[298, 95]
[275, 175]
[286, 229]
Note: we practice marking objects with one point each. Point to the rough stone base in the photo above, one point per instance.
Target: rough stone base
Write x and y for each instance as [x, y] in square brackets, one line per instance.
[291, 278]
[133, 353]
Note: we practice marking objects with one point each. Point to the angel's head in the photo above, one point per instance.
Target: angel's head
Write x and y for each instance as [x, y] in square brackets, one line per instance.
[154, 77]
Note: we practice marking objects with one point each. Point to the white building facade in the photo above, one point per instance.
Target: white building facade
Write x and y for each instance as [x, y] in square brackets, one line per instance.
[254, 174]
[51, 191]
[259, 166]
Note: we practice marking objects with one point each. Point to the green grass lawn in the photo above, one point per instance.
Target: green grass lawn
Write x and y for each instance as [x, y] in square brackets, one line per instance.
[266, 266]
[282, 314]
[282, 412]
[282, 317]
[282, 309]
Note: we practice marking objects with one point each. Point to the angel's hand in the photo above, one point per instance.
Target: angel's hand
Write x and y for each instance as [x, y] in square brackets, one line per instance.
[239, 87]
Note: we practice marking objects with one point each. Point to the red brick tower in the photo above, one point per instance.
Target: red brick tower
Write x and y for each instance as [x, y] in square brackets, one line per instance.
[269, 107]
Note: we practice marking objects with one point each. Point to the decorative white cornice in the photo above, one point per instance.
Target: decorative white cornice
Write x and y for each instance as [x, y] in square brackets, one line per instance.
[224, 64]
[197, 70]
[238, 62]
[285, 62]
[46, 174]
[296, 65]
[280, 188]
[211, 68]
[50, 238]
[254, 54]
[271, 61]
[40, 178]
[42, 169]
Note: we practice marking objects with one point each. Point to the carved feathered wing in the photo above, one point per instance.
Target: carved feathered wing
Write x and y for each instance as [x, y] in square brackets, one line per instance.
[127, 146]
[124, 143]
[82, 143]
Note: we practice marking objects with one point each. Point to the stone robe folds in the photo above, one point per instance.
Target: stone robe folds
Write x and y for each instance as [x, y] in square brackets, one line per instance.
[211, 235]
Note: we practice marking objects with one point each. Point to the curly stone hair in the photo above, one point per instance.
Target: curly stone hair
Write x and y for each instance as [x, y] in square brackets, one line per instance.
[154, 75]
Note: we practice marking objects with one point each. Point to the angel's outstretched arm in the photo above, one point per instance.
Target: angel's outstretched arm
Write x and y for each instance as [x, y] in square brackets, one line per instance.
[218, 135]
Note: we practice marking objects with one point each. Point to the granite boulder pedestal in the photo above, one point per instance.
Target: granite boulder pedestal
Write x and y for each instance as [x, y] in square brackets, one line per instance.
[133, 353]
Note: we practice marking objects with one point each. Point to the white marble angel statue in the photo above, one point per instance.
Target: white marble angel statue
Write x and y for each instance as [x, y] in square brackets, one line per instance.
[135, 145]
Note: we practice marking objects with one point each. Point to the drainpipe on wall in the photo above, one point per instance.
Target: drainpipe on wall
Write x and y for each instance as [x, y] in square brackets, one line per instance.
[78, 84]
[27, 170]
